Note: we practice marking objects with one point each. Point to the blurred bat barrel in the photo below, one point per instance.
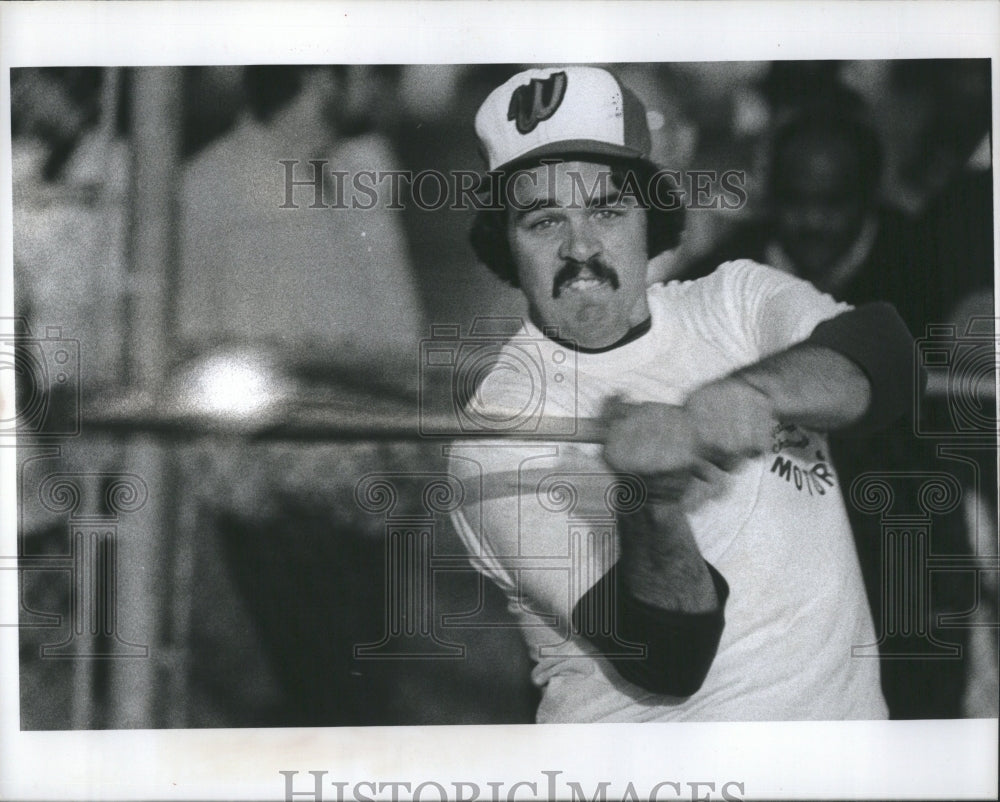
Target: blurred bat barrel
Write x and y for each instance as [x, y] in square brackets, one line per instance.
[330, 421]
[258, 394]
[322, 424]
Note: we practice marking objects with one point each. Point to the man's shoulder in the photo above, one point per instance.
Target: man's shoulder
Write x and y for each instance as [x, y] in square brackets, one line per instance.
[747, 240]
[729, 277]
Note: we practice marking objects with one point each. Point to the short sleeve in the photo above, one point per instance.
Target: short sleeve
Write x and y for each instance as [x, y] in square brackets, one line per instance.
[759, 309]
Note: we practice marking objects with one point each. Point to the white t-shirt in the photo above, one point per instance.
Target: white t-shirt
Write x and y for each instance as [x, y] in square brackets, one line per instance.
[538, 518]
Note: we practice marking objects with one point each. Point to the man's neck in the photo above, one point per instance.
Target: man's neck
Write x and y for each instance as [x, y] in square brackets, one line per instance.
[634, 333]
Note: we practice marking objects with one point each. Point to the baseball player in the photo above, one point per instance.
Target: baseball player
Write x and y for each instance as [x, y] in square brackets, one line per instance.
[699, 564]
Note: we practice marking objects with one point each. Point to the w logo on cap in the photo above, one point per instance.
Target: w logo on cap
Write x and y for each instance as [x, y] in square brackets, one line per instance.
[585, 111]
[536, 101]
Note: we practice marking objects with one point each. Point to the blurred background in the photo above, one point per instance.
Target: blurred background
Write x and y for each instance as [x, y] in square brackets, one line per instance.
[232, 580]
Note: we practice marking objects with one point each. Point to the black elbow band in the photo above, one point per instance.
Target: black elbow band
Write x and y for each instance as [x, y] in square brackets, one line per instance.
[876, 339]
[663, 651]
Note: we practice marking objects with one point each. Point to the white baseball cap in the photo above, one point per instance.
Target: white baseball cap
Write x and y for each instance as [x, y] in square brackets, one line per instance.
[559, 111]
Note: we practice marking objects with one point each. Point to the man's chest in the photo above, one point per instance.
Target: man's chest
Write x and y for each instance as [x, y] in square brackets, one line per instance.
[667, 377]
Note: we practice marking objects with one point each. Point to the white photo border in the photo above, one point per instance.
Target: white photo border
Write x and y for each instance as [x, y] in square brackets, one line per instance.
[941, 759]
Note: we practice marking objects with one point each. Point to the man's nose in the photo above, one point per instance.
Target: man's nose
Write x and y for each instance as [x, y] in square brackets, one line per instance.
[581, 241]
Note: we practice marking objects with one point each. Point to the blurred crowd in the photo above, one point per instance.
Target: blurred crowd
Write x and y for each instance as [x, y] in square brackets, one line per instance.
[871, 179]
[847, 165]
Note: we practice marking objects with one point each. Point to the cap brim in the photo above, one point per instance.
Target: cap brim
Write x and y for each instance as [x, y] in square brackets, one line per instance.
[570, 150]
[566, 150]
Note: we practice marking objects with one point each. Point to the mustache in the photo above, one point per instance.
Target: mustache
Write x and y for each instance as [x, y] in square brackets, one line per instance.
[572, 268]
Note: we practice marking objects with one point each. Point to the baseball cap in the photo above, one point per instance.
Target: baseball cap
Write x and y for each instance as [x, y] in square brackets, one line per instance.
[558, 111]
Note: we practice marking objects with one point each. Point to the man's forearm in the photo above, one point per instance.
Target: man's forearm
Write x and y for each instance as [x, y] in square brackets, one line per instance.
[660, 563]
[660, 595]
[810, 385]
[853, 372]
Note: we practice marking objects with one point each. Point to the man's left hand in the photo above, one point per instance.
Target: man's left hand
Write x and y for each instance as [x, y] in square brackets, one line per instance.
[719, 426]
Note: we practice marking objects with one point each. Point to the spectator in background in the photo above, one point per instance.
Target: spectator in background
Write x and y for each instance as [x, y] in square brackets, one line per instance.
[300, 283]
[824, 219]
[70, 224]
[299, 277]
[56, 107]
[70, 172]
[70, 180]
[334, 287]
[956, 233]
[947, 107]
[825, 222]
[954, 160]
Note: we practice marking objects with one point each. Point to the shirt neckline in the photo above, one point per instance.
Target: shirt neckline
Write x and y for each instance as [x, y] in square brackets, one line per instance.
[630, 352]
[634, 333]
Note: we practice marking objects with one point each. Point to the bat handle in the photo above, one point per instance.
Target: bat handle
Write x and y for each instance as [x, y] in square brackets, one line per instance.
[565, 430]
[590, 430]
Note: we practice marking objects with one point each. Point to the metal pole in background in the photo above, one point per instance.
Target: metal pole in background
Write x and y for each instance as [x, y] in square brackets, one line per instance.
[136, 686]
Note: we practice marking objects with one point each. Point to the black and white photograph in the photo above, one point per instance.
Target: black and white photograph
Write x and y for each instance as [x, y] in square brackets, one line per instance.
[397, 403]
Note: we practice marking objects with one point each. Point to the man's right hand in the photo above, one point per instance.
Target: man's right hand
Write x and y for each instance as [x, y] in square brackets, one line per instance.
[720, 425]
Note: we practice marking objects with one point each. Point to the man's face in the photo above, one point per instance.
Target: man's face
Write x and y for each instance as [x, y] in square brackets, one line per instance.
[819, 203]
[580, 250]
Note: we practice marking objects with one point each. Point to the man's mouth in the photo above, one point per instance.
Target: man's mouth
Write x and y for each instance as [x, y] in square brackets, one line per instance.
[584, 277]
[583, 284]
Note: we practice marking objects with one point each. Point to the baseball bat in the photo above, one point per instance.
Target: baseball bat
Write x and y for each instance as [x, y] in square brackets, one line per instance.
[363, 424]
[357, 418]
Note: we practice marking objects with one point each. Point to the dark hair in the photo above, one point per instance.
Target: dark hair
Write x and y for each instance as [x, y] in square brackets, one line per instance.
[488, 235]
[831, 124]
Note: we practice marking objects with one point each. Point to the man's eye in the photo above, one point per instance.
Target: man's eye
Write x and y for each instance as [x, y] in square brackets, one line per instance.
[608, 213]
[542, 225]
